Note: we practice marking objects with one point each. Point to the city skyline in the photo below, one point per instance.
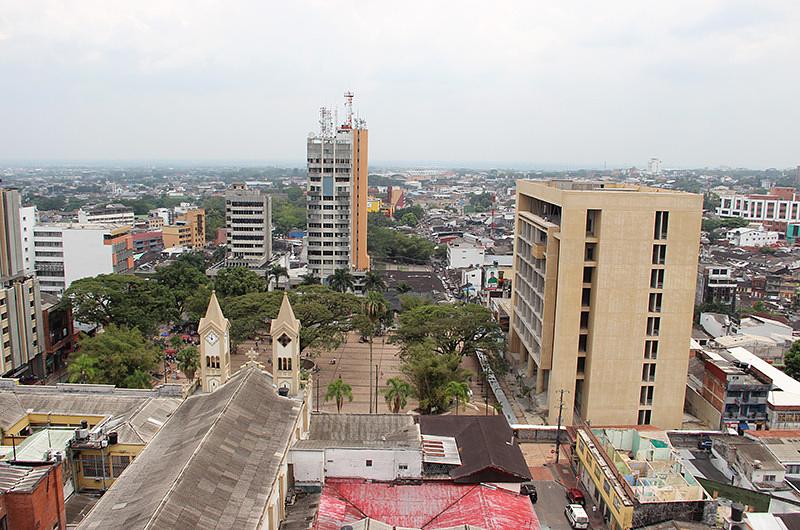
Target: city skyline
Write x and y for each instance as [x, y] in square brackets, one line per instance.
[521, 85]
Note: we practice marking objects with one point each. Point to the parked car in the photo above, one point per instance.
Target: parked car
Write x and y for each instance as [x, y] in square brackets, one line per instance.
[576, 516]
[529, 489]
[704, 444]
[575, 496]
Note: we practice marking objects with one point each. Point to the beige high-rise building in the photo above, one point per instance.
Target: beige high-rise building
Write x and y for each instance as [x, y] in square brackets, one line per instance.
[603, 297]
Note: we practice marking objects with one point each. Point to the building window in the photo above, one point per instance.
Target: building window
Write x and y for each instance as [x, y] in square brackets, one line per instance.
[591, 251]
[92, 466]
[769, 478]
[648, 373]
[592, 220]
[653, 326]
[644, 417]
[659, 254]
[587, 274]
[646, 395]
[651, 349]
[403, 467]
[369, 463]
[661, 225]
[654, 306]
[118, 464]
[586, 296]
[582, 342]
[657, 279]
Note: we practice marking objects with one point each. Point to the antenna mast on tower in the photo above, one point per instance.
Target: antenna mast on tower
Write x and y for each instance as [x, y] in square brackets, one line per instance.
[348, 107]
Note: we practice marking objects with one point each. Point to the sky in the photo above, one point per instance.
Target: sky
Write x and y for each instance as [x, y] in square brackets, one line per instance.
[526, 83]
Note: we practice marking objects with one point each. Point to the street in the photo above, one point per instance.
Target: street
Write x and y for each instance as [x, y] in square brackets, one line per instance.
[550, 506]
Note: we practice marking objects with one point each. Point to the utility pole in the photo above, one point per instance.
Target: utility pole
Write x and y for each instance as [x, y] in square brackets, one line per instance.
[376, 389]
[558, 431]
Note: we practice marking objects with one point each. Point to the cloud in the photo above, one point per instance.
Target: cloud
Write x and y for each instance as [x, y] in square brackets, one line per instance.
[531, 82]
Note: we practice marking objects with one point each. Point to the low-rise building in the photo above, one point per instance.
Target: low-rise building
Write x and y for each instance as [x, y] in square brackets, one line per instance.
[31, 496]
[69, 252]
[716, 285]
[109, 214]
[461, 254]
[369, 446]
[752, 236]
[636, 478]
[188, 230]
[150, 241]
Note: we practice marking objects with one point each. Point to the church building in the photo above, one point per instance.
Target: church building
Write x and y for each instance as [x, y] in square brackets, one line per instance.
[221, 459]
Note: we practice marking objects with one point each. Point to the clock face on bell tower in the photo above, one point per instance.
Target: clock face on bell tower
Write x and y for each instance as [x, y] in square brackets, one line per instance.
[212, 338]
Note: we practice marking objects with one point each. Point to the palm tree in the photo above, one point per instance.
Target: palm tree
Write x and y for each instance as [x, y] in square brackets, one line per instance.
[338, 390]
[188, 361]
[341, 280]
[309, 279]
[397, 393]
[402, 288]
[373, 281]
[374, 308]
[277, 271]
[457, 390]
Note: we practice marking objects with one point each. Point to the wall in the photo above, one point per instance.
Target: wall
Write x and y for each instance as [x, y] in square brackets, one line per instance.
[84, 483]
[85, 255]
[43, 508]
[702, 409]
[351, 463]
[308, 466]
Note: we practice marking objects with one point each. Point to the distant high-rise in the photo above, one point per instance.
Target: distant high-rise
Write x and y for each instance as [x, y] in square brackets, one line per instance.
[654, 166]
[337, 195]
[248, 218]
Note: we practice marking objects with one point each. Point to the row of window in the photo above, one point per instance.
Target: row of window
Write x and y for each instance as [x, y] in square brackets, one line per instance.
[93, 465]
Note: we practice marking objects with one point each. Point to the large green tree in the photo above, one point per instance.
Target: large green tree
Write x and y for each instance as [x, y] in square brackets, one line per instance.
[458, 329]
[238, 281]
[118, 356]
[123, 300]
[429, 374]
[341, 280]
[183, 280]
[791, 361]
[325, 315]
[215, 215]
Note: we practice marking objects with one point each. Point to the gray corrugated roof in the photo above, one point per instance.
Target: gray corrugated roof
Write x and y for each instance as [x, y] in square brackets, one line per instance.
[21, 478]
[140, 412]
[362, 431]
[212, 465]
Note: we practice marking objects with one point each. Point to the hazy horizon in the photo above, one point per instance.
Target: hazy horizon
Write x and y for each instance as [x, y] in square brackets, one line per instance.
[521, 85]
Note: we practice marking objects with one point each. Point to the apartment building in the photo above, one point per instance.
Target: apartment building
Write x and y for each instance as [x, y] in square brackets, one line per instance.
[776, 209]
[248, 218]
[337, 195]
[109, 214]
[69, 252]
[602, 300]
[188, 230]
[20, 303]
[28, 217]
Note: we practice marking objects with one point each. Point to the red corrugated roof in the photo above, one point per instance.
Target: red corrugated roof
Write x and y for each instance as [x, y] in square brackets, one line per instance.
[430, 505]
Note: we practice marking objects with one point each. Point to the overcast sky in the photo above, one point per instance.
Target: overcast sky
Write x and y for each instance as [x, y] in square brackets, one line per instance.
[527, 83]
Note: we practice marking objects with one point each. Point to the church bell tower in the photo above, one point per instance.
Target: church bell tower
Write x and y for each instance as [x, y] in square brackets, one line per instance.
[285, 332]
[215, 347]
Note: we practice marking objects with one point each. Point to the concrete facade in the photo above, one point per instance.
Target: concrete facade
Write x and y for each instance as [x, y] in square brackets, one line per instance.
[68, 252]
[337, 199]
[248, 218]
[604, 285]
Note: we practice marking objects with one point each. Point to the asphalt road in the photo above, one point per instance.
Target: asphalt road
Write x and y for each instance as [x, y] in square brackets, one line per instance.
[550, 506]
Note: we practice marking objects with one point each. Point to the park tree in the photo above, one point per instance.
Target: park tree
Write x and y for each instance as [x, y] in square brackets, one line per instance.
[122, 300]
[459, 329]
[326, 315]
[238, 281]
[183, 280]
[277, 272]
[429, 372]
[341, 280]
[309, 279]
[373, 281]
[338, 390]
[397, 393]
[791, 361]
[118, 356]
[458, 391]
[409, 219]
[188, 360]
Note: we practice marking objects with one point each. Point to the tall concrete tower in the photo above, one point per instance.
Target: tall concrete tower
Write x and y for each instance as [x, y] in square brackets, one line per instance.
[337, 195]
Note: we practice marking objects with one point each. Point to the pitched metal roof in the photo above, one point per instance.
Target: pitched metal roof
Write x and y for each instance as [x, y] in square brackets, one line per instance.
[212, 465]
[486, 445]
[15, 478]
[391, 431]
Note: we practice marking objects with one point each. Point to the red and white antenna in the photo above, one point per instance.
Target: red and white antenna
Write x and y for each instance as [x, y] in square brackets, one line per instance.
[348, 108]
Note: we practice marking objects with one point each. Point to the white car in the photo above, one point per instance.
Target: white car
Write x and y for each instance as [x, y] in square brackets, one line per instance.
[576, 516]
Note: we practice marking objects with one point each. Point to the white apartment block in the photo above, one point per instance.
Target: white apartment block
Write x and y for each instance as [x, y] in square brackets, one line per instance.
[775, 209]
[28, 217]
[68, 252]
[751, 236]
[462, 254]
[248, 218]
[116, 214]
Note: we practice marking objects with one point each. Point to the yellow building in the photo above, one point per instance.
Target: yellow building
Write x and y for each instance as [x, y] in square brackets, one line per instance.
[374, 205]
[189, 230]
[111, 425]
[603, 295]
[635, 478]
